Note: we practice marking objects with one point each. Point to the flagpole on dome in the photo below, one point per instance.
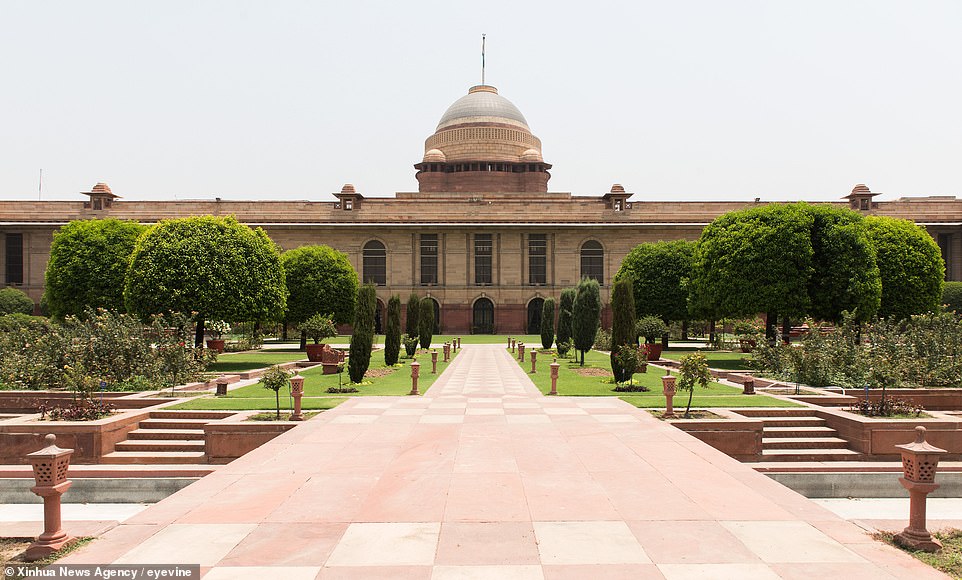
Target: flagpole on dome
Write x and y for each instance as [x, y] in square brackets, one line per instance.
[482, 57]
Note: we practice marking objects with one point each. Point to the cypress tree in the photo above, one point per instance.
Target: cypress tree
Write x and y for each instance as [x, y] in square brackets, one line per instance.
[426, 323]
[565, 308]
[623, 323]
[586, 315]
[414, 308]
[392, 334]
[547, 323]
[362, 340]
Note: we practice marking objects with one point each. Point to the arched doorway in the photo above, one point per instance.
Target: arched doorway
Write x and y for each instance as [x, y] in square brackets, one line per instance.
[482, 320]
[379, 317]
[535, 308]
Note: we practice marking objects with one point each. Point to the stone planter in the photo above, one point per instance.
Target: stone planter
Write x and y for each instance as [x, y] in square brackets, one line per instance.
[216, 344]
[314, 352]
[653, 351]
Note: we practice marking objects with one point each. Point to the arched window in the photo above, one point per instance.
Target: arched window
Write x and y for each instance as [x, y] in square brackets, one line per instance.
[535, 308]
[593, 261]
[483, 317]
[374, 266]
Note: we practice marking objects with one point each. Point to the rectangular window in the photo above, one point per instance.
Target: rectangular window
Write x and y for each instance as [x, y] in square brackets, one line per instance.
[945, 244]
[482, 258]
[429, 259]
[14, 258]
[537, 259]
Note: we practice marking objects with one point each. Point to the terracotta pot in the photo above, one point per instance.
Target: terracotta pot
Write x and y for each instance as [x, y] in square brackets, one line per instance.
[314, 352]
[216, 344]
[653, 350]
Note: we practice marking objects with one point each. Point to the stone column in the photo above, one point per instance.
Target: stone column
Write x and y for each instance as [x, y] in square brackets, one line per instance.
[434, 362]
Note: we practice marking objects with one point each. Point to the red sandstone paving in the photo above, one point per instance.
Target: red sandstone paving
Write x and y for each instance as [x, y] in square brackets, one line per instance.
[483, 477]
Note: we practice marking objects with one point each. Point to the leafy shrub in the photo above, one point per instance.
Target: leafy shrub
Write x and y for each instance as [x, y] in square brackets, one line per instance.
[886, 407]
[602, 340]
[217, 329]
[362, 339]
[651, 327]
[392, 335]
[692, 371]
[563, 348]
[411, 344]
[80, 410]
[628, 360]
[952, 296]
[14, 301]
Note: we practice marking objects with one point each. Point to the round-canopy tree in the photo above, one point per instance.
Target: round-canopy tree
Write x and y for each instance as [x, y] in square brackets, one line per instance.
[320, 280]
[87, 266]
[658, 271]
[910, 265]
[214, 266]
[15, 301]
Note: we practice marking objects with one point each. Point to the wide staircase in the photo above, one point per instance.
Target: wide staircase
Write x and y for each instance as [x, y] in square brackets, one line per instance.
[166, 437]
[800, 435]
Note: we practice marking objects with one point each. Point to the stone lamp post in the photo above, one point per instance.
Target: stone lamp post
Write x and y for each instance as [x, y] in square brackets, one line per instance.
[415, 371]
[50, 466]
[920, 460]
[534, 360]
[434, 362]
[521, 351]
[447, 351]
[669, 388]
[297, 391]
[554, 376]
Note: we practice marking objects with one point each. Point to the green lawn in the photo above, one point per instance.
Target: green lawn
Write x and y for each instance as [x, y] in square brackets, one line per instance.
[245, 361]
[572, 383]
[255, 396]
[729, 361]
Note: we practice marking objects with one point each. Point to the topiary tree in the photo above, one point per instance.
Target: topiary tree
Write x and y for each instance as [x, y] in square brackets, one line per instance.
[952, 296]
[622, 325]
[845, 276]
[692, 371]
[317, 328]
[213, 266]
[15, 301]
[910, 264]
[362, 339]
[426, 323]
[651, 327]
[755, 260]
[659, 272]
[275, 379]
[392, 334]
[87, 265]
[566, 306]
[320, 280]
[411, 327]
[547, 323]
[586, 315]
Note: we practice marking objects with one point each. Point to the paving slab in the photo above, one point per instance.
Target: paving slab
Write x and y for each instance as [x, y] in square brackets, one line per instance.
[484, 477]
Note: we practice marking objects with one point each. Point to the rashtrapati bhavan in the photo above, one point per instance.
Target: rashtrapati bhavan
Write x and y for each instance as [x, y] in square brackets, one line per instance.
[482, 237]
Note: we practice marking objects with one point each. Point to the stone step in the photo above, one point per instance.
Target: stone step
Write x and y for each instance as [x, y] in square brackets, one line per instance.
[174, 423]
[810, 455]
[160, 445]
[799, 432]
[181, 434]
[794, 422]
[804, 443]
[209, 415]
[154, 457]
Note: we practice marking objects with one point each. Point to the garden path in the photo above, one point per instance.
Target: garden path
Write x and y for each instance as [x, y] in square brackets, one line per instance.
[483, 477]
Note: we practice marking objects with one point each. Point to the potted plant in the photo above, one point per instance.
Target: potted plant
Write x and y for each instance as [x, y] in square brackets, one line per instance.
[652, 328]
[216, 329]
[317, 328]
[411, 344]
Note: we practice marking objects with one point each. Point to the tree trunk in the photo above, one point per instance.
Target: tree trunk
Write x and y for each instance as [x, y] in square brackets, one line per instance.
[664, 341]
[711, 332]
[277, 399]
[284, 330]
[684, 330]
[303, 340]
[582, 358]
[786, 330]
[770, 320]
[199, 334]
[691, 394]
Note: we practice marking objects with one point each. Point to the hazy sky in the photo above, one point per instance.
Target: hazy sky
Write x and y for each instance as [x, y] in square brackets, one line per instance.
[290, 100]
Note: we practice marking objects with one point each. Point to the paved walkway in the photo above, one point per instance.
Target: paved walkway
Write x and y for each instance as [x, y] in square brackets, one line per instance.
[485, 478]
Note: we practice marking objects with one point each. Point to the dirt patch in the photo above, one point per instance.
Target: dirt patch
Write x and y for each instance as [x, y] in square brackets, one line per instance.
[592, 372]
[680, 415]
[377, 373]
[10, 547]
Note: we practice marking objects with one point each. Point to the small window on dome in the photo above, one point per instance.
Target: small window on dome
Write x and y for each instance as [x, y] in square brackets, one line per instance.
[618, 205]
[348, 204]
